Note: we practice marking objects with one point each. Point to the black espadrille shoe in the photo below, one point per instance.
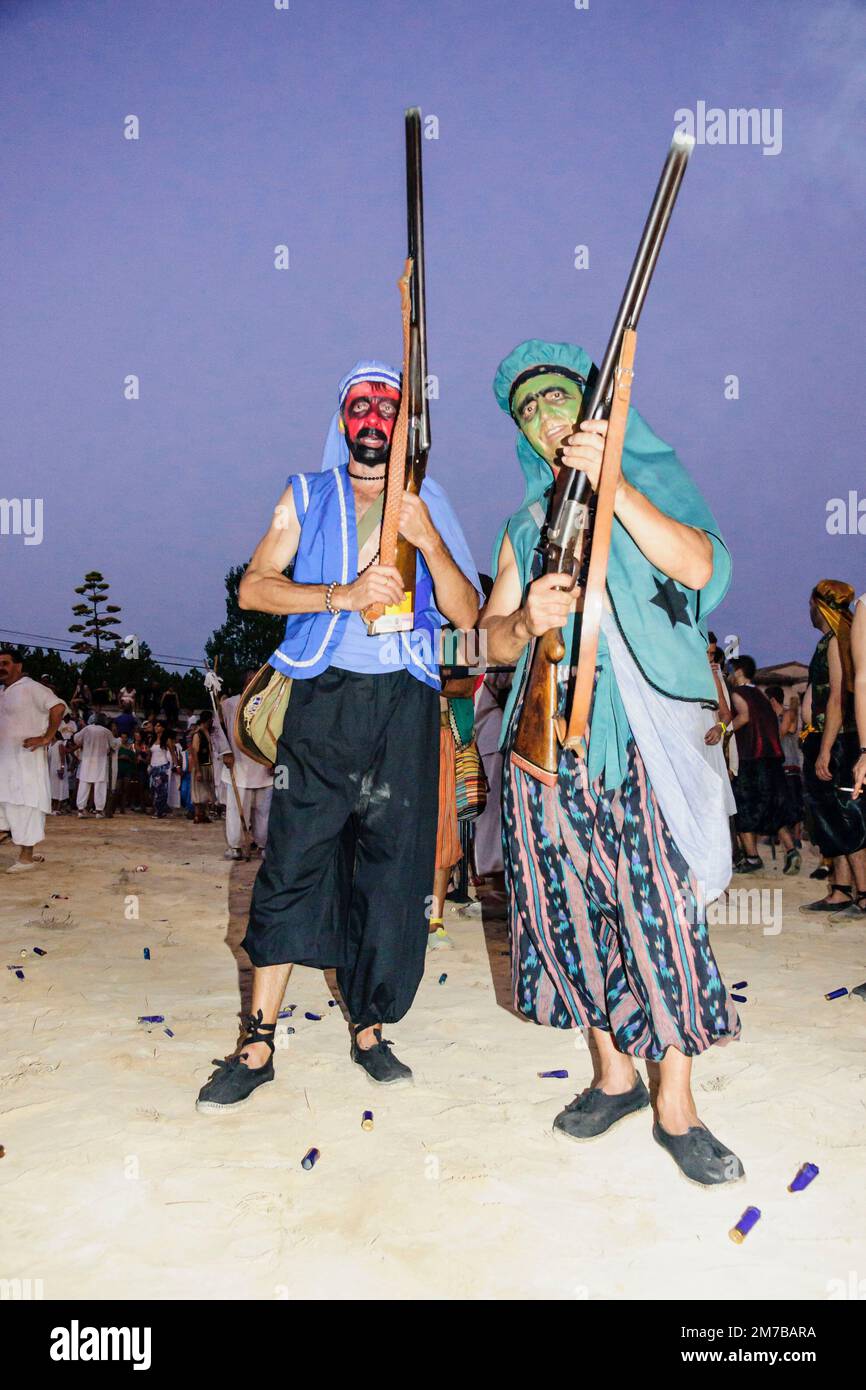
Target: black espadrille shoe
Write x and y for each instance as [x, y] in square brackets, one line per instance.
[234, 1083]
[593, 1113]
[700, 1156]
[379, 1062]
[823, 905]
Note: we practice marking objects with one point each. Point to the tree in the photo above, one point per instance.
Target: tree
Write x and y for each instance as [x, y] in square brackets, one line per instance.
[245, 640]
[96, 637]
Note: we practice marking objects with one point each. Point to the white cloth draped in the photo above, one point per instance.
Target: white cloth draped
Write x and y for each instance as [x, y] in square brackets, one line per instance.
[24, 779]
[688, 776]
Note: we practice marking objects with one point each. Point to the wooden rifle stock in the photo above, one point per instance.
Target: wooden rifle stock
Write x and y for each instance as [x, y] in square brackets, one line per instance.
[572, 734]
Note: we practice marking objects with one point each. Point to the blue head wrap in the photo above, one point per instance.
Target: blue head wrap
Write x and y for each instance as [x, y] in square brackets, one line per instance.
[336, 451]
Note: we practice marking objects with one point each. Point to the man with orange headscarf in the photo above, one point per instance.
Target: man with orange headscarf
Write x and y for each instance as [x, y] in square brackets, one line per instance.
[830, 751]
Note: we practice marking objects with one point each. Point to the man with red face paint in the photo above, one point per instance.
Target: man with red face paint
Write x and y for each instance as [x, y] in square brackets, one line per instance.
[352, 832]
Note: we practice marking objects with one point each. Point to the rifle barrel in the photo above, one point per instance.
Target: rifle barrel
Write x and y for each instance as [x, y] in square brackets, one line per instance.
[415, 211]
[640, 275]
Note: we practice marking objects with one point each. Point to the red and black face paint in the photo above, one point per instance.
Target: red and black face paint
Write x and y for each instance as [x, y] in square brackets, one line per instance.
[369, 413]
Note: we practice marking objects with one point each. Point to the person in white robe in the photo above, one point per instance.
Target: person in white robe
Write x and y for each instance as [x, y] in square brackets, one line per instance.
[30, 714]
[57, 772]
[95, 743]
[254, 781]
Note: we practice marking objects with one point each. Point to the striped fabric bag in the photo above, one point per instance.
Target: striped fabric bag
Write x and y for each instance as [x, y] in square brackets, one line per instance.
[471, 783]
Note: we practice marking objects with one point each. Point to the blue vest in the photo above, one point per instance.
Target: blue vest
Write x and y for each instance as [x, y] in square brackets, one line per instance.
[327, 552]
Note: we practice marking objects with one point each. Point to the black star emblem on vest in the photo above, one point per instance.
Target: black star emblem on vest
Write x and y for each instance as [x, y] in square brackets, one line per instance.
[673, 601]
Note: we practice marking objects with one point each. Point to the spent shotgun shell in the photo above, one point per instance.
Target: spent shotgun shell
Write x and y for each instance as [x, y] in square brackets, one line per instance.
[38, 951]
[806, 1173]
[314, 1018]
[836, 994]
[442, 979]
[151, 1018]
[147, 953]
[748, 1219]
[310, 1159]
[545, 1074]
[367, 1120]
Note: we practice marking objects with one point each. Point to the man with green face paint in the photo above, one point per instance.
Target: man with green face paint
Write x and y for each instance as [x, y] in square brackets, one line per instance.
[609, 872]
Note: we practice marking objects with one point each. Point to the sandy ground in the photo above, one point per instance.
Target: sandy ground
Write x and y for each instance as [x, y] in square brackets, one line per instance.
[114, 1186]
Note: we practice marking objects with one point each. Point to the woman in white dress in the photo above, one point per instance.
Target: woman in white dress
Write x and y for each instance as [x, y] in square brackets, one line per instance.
[57, 773]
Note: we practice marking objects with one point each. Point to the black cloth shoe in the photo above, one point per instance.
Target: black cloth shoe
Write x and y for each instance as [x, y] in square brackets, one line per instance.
[793, 862]
[700, 1156]
[821, 872]
[860, 990]
[233, 1083]
[822, 905]
[380, 1064]
[749, 864]
[593, 1113]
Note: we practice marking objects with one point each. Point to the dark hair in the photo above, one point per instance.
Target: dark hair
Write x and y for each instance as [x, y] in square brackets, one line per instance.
[746, 664]
[775, 692]
[14, 653]
[205, 716]
[712, 639]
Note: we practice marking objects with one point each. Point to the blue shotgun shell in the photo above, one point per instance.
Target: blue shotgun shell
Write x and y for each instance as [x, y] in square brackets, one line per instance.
[147, 953]
[442, 979]
[740, 998]
[836, 994]
[806, 1173]
[748, 1219]
[38, 951]
[286, 1013]
[740, 984]
[310, 1159]
[562, 1074]
[314, 1018]
[367, 1120]
[168, 1032]
[20, 974]
[151, 1018]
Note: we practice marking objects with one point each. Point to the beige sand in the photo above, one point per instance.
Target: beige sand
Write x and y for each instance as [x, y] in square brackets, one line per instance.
[114, 1186]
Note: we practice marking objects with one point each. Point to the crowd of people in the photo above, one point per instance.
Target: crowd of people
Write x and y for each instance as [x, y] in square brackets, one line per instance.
[123, 755]
[796, 766]
[800, 767]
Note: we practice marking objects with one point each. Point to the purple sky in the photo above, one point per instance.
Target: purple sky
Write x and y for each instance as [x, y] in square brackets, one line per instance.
[260, 127]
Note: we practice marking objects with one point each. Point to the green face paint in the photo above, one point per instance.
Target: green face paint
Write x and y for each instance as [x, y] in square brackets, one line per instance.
[545, 408]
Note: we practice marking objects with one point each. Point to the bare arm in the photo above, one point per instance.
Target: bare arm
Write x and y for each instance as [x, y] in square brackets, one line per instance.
[680, 551]
[510, 624]
[740, 712]
[833, 712]
[456, 598]
[265, 589]
[55, 714]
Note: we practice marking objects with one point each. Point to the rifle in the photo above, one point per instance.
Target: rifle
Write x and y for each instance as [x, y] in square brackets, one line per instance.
[575, 541]
[410, 443]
